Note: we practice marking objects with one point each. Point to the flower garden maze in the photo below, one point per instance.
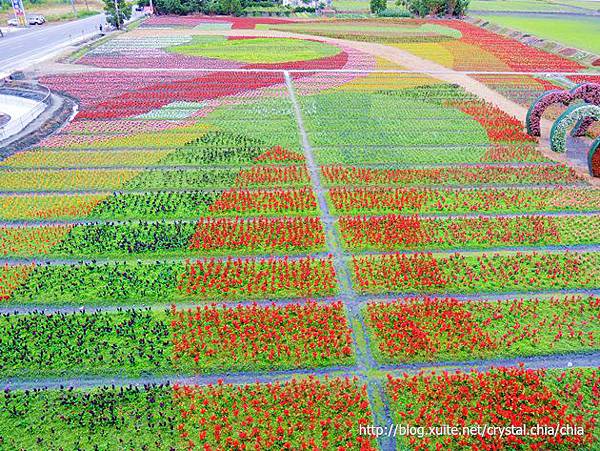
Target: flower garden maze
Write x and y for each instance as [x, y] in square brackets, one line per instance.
[239, 250]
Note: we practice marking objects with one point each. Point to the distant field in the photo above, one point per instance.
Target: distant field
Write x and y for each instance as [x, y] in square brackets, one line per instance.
[588, 4]
[534, 5]
[518, 5]
[351, 5]
[577, 31]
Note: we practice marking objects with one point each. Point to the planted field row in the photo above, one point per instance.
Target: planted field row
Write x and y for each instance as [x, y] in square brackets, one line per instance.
[46, 158]
[199, 340]
[281, 202]
[182, 144]
[445, 329]
[351, 154]
[208, 236]
[295, 414]
[272, 278]
[461, 273]
[374, 201]
[221, 339]
[122, 283]
[160, 204]
[395, 232]
[502, 397]
[306, 413]
[211, 148]
[262, 235]
[128, 179]
[474, 175]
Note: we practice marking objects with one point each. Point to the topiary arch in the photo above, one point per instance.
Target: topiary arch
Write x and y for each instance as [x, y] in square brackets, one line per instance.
[588, 92]
[594, 158]
[573, 115]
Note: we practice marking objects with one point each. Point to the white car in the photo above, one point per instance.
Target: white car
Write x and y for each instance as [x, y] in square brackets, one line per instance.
[36, 19]
[33, 19]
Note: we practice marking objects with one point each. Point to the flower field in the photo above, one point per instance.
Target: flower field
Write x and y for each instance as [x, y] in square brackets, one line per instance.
[462, 200]
[335, 175]
[293, 415]
[466, 273]
[447, 329]
[507, 396]
[250, 239]
[166, 280]
[395, 232]
[253, 337]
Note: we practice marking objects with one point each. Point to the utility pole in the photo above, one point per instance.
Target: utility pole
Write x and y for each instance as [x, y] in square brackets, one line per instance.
[73, 6]
[117, 15]
[151, 7]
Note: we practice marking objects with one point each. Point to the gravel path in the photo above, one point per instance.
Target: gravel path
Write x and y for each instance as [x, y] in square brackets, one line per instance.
[585, 360]
[343, 254]
[364, 360]
[357, 302]
[58, 222]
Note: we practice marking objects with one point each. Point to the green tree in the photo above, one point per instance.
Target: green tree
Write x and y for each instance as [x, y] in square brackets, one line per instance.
[233, 7]
[117, 12]
[423, 8]
[378, 6]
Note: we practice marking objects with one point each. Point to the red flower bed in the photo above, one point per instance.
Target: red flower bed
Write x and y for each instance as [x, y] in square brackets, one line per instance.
[446, 329]
[584, 78]
[278, 154]
[266, 234]
[458, 273]
[518, 56]
[265, 278]
[467, 175]
[595, 163]
[501, 397]
[303, 414]
[194, 89]
[499, 126]
[424, 328]
[411, 232]
[273, 176]
[255, 337]
[422, 200]
[266, 201]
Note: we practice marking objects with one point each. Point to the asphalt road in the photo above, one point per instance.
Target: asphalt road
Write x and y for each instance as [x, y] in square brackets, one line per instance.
[36, 42]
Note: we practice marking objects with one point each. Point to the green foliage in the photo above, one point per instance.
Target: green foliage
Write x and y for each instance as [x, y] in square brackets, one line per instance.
[117, 12]
[131, 417]
[233, 7]
[130, 342]
[423, 8]
[182, 7]
[396, 12]
[378, 6]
